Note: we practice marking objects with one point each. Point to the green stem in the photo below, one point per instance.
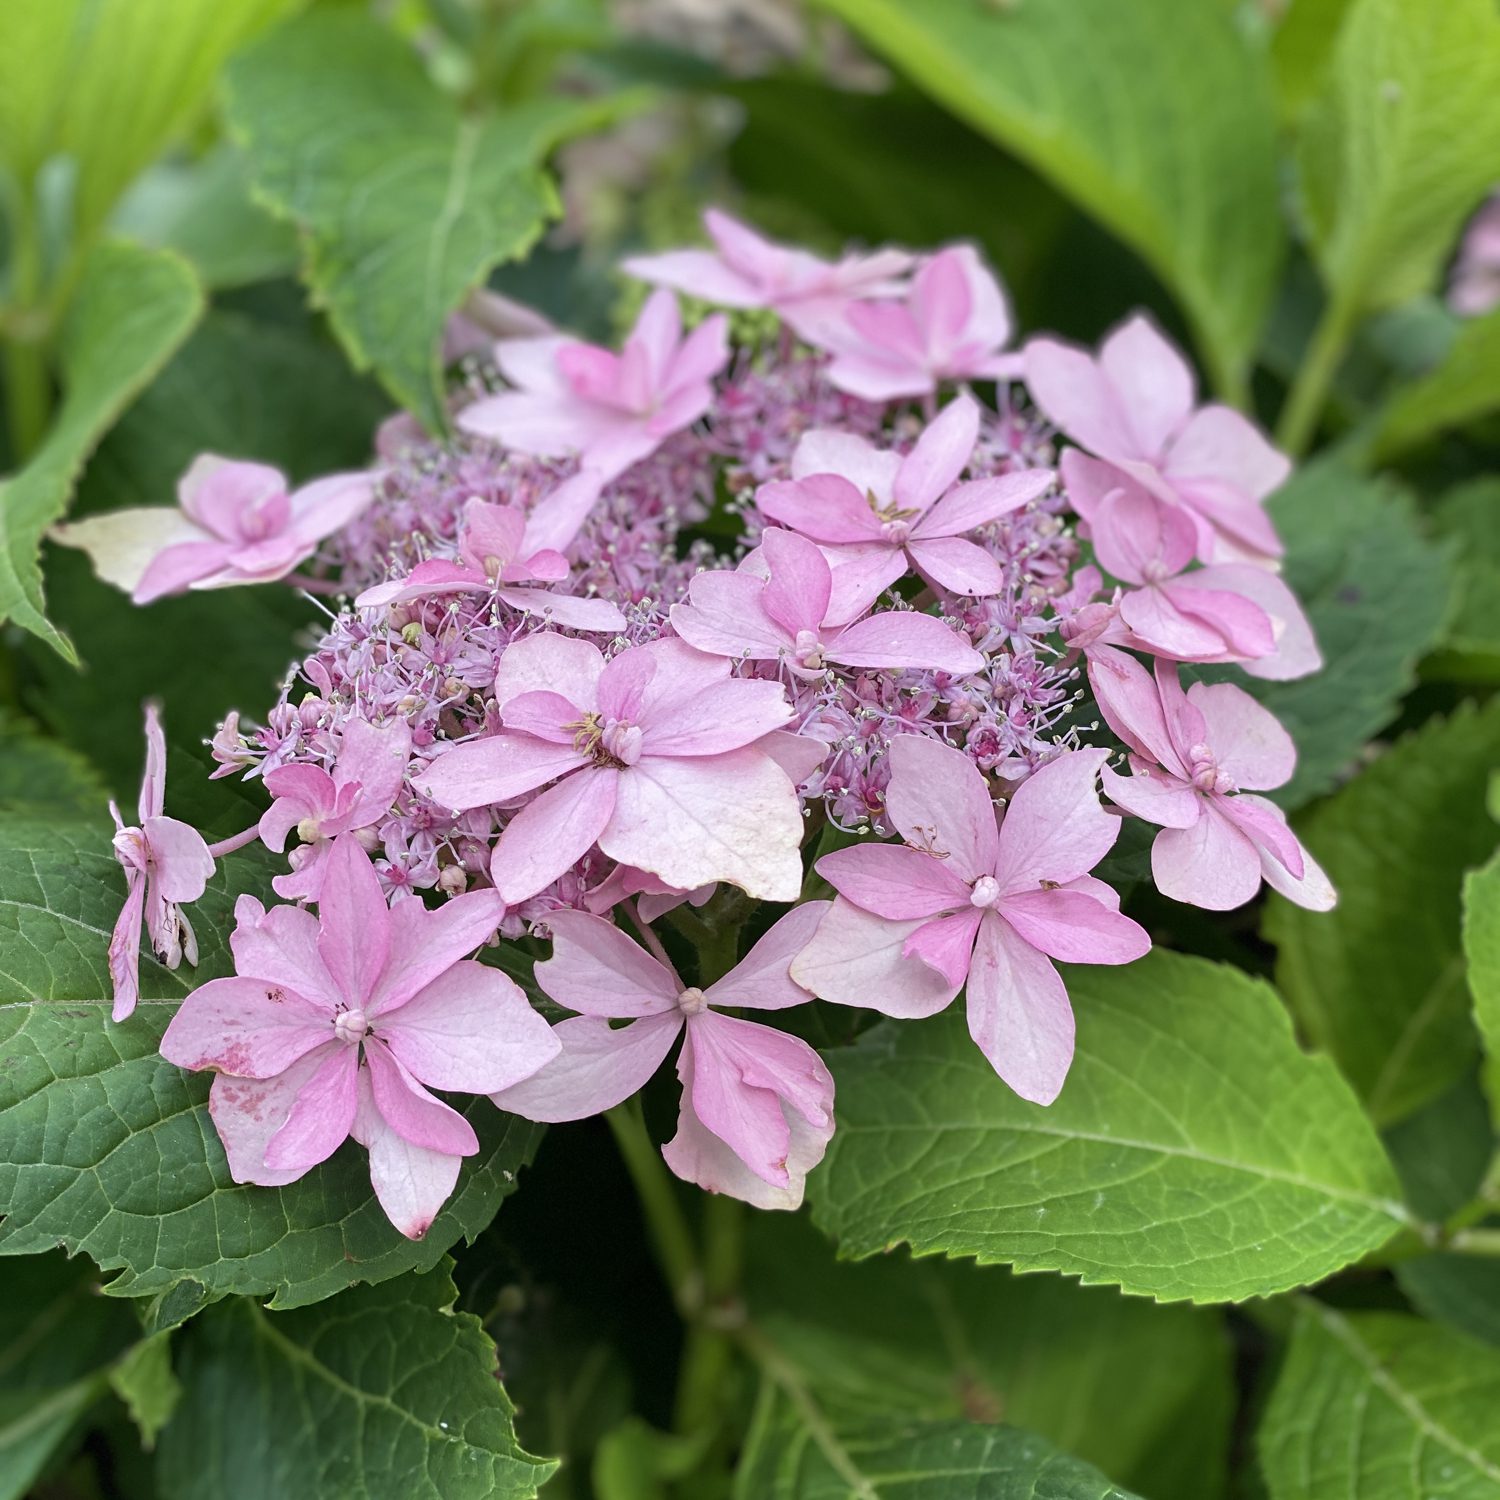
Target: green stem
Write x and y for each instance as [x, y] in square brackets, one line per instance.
[670, 1236]
[1476, 1242]
[28, 391]
[1309, 393]
[709, 1350]
[28, 396]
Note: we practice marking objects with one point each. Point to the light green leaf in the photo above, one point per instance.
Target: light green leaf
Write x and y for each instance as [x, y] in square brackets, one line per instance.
[1302, 50]
[905, 1460]
[1376, 591]
[1182, 170]
[1465, 385]
[106, 83]
[1481, 942]
[1159, 1169]
[1378, 1406]
[406, 203]
[132, 309]
[1468, 517]
[384, 1393]
[1401, 146]
[1379, 981]
[144, 1381]
[939, 1340]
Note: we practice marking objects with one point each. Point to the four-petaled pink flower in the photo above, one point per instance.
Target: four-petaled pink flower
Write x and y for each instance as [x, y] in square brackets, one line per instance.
[876, 513]
[757, 1104]
[335, 1023]
[1133, 409]
[1195, 759]
[367, 775]
[781, 617]
[951, 325]
[500, 550]
[238, 523]
[610, 409]
[166, 863]
[747, 270]
[968, 899]
[654, 759]
[1226, 612]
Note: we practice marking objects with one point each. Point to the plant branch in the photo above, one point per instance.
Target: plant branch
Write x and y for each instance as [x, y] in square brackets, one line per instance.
[1309, 393]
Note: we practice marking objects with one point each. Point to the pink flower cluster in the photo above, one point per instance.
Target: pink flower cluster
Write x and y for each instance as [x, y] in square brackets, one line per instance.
[658, 624]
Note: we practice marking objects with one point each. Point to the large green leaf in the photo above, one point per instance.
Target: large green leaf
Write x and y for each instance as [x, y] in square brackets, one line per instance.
[383, 1393]
[1378, 1406]
[1156, 117]
[406, 202]
[42, 778]
[105, 83]
[132, 309]
[1401, 145]
[788, 1459]
[1463, 386]
[1376, 591]
[1160, 1168]
[1302, 51]
[1481, 943]
[1469, 518]
[936, 1341]
[1379, 981]
[1460, 1290]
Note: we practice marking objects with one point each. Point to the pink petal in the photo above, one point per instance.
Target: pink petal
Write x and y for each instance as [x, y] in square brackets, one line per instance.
[219, 493]
[1265, 825]
[300, 792]
[981, 501]
[1075, 394]
[596, 969]
[353, 921]
[941, 301]
[498, 768]
[1244, 629]
[717, 717]
[544, 716]
[797, 595]
[703, 353]
[825, 450]
[1153, 795]
[658, 327]
[1018, 1012]
[938, 801]
[247, 1112]
[761, 980]
[861, 574]
[414, 1114]
[425, 942]
[556, 518]
[548, 662]
[1073, 927]
[567, 610]
[1152, 381]
[1312, 889]
[411, 1183]
[1137, 536]
[894, 881]
[699, 273]
[329, 504]
[1156, 621]
[1128, 698]
[1238, 529]
[732, 817]
[724, 616]
[1055, 828]
[280, 946]
[553, 832]
[125, 948]
[855, 958]
[877, 374]
[248, 1027]
[178, 568]
[946, 945]
[182, 863]
[957, 565]
[1212, 864]
[318, 1122]
[547, 425]
[1088, 482]
[425, 580]
[1221, 444]
[798, 755]
[375, 756]
[1296, 652]
[939, 457]
[1247, 740]
[154, 774]
[598, 1066]
[825, 507]
[904, 638]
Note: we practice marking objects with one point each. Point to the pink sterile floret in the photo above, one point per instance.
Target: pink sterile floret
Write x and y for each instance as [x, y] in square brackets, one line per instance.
[335, 1023]
[967, 899]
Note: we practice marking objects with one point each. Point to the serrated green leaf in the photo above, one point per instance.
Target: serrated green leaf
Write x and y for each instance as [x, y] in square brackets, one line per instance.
[133, 307]
[1401, 146]
[904, 1460]
[384, 1393]
[1468, 518]
[1195, 1152]
[1463, 386]
[1378, 1406]
[406, 204]
[1481, 943]
[1377, 593]
[144, 1381]
[43, 778]
[1379, 981]
[1182, 170]
[938, 1341]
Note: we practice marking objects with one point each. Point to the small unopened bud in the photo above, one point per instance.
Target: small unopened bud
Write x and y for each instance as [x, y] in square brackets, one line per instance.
[453, 881]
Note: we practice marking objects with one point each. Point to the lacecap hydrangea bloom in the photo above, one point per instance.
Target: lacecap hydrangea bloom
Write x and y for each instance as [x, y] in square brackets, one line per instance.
[668, 639]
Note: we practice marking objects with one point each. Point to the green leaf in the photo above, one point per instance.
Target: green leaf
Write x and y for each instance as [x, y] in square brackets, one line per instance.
[43, 778]
[1401, 146]
[1462, 1291]
[1159, 1169]
[1378, 1406]
[937, 1341]
[1465, 385]
[384, 1392]
[1379, 981]
[905, 1460]
[1182, 170]
[1481, 943]
[406, 204]
[1469, 517]
[132, 309]
[144, 1381]
[1302, 50]
[1442, 1151]
[1376, 591]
